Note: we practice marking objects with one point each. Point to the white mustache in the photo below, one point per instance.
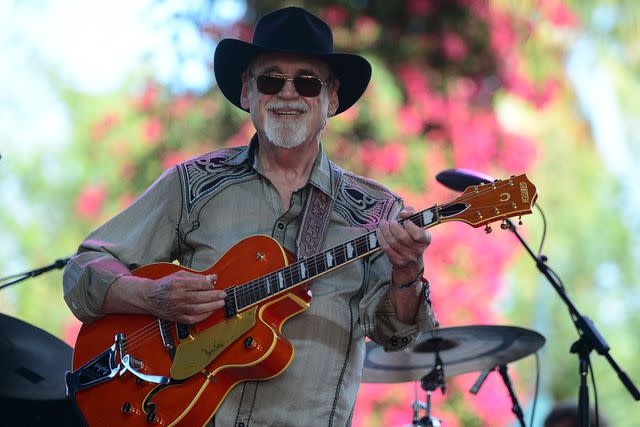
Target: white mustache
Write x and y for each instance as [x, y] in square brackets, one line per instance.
[281, 105]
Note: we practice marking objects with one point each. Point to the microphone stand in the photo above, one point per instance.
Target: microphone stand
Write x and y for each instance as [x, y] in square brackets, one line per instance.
[590, 339]
[502, 369]
[516, 408]
[58, 264]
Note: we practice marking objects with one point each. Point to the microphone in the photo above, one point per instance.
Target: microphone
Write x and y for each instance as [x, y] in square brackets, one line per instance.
[460, 179]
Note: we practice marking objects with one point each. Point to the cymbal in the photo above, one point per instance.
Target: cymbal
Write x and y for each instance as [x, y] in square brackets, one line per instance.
[462, 349]
[32, 362]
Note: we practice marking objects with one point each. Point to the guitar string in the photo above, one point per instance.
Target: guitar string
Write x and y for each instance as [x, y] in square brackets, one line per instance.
[254, 288]
[139, 335]
[150, 334]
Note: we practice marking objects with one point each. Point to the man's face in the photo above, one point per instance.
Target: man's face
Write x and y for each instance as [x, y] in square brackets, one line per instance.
[287, 119]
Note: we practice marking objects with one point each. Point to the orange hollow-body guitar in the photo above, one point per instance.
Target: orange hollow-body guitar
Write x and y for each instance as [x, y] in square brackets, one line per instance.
[137, 370]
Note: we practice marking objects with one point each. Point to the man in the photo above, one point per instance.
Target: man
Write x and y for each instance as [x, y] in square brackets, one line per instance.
[290, 81]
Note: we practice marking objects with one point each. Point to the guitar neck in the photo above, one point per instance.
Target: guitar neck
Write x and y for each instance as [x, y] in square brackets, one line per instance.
[306, 269]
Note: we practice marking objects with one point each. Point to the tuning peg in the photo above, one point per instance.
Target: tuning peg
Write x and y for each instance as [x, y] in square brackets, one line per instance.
[487, 229]
[504, 225]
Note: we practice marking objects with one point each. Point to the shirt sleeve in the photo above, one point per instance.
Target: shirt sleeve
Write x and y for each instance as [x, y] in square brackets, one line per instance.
[145, 232]
[377, 314]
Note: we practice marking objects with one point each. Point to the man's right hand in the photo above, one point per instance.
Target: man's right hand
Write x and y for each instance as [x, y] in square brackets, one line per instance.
[182, 297]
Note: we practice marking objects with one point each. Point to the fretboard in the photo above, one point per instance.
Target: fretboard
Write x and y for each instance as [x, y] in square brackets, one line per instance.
[243, 296]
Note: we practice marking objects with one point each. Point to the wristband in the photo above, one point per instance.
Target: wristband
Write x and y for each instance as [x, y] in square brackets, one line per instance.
[412, 283]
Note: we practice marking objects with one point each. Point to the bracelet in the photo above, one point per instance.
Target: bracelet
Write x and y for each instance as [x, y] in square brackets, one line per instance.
[411, 283]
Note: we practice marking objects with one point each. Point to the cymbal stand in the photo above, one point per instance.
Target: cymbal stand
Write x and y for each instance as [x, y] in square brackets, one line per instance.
[432, 381]
[417, 406]
[590, 338]
[516, 409]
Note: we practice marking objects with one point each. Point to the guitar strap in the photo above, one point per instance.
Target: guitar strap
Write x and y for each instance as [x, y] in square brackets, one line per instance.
[313, 227]
[311, 235]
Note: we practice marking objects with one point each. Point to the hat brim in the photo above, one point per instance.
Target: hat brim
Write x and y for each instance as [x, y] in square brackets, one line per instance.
[232, 57]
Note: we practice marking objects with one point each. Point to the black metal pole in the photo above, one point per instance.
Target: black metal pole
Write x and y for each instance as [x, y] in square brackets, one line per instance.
[57, 264]
[590, 337]
[516, 408]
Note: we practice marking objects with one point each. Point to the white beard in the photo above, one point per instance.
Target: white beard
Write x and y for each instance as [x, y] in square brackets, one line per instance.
[286, 133]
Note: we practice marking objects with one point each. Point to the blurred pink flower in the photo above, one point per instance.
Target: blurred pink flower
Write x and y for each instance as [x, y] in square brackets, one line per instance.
[100, 129]
[149, 97]
[240, 31]
[243, 136]
[517, 82]
[386, 159]
[558, 12]
[127, 170]
[420, 7]
[70, 330]
[90, 201]
[180, 105]
[367, 30]
[208, 107]
[492, 403]
[474, 141]
[454, 46]
[518, 153]
[152, 131]
[173, 158]
[503, 35]
[398, 415]
[126, 200]
[349, 116]
[335, 15]
[410, 120]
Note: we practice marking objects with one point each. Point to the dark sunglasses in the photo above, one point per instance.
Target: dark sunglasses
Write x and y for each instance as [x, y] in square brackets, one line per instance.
[270, 84]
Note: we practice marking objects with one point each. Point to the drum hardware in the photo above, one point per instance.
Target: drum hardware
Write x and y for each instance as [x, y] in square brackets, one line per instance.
[447, 352]
[32, 366]
[590, 338]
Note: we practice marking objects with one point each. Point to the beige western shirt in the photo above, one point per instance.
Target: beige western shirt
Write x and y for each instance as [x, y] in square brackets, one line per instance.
[197, 210]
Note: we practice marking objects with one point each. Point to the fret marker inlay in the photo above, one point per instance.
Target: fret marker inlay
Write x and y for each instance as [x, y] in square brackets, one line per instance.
[349, 250]
[329, 259]
[373, 241]
[427, 215]
[303, 270]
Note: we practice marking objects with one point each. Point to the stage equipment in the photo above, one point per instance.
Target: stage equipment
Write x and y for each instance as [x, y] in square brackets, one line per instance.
[32, 367]
[590, 338]
[444, 353]
[462, 349]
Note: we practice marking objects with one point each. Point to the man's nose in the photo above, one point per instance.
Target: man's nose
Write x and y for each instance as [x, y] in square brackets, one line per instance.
[288, 90]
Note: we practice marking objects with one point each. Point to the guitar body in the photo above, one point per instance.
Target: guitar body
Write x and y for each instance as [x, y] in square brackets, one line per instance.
[256, 350]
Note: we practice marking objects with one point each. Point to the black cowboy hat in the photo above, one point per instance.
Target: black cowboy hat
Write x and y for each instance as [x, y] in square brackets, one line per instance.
[290, 30]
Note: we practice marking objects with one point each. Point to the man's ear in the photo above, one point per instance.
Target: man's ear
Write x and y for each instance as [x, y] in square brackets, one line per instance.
[244, 99]
[334, 103]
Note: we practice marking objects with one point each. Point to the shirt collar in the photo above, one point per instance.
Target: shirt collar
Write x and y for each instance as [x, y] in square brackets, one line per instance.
[320, 173]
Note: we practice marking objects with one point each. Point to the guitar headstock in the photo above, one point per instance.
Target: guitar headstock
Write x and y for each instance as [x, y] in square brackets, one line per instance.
[481, 204]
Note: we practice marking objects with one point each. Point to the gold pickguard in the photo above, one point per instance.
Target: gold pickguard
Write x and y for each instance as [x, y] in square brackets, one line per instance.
[196, 352]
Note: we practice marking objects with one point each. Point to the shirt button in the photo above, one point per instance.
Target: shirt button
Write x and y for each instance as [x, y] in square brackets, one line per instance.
[280, 226]
[240, 424]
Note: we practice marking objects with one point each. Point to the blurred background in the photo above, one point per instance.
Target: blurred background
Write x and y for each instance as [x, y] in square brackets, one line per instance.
[98, 98]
